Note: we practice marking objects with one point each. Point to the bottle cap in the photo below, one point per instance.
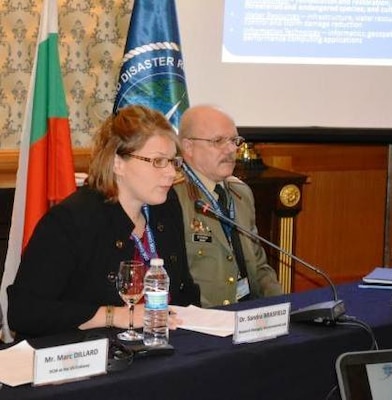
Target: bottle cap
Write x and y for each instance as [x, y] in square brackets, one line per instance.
[156, 262]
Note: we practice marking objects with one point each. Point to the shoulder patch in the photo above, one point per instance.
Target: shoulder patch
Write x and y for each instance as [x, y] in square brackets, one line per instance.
[234, 180]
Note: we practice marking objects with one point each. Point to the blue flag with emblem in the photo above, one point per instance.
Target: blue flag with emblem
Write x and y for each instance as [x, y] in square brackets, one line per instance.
[152, 72]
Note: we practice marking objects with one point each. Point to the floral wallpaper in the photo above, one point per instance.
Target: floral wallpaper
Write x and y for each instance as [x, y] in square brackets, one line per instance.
[92, 35]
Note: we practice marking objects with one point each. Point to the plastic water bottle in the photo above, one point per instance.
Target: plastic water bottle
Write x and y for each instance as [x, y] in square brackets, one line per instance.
[156, 307]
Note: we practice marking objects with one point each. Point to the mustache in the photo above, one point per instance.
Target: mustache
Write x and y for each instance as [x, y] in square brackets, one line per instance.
[228, 159]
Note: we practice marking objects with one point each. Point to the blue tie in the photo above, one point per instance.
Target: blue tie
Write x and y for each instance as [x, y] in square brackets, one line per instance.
[234, 237]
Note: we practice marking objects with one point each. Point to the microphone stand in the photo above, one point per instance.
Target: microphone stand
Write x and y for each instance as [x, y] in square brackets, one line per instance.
[326, 312]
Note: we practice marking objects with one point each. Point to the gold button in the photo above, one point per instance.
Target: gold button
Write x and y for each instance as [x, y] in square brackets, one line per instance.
[229, 257]
[231, 280]
[226, 302]
[199, 252]
[119, 244]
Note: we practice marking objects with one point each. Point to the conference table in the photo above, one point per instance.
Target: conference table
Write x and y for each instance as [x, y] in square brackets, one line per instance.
[299, 365]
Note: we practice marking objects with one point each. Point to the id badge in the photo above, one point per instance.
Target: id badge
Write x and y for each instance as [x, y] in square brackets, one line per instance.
[201, 238]
[242, 288]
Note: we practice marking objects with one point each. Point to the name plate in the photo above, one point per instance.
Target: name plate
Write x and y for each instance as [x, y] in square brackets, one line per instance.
[262, 323]
[70, 362]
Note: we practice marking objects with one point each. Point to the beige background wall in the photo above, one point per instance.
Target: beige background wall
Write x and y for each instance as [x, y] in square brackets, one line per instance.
[92, 38]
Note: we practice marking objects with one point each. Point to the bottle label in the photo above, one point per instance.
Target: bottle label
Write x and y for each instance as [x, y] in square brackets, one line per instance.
[156, 300]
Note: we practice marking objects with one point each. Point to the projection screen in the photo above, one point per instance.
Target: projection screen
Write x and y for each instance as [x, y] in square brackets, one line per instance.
[319, 66]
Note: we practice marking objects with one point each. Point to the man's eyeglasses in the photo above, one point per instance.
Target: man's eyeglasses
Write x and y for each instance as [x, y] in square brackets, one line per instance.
[160, 162]
[222, 141]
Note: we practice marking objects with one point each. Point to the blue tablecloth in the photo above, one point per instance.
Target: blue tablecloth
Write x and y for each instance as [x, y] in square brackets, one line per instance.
[300, 365]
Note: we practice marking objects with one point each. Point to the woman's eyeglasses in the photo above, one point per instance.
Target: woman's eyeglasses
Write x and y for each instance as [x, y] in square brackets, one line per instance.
[160, 162]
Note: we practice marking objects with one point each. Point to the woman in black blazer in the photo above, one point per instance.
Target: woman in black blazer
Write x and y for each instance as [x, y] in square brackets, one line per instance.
[63, 282]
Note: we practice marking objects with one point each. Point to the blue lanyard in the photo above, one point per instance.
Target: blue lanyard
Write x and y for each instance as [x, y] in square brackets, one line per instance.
[194, 178]
[151, 252]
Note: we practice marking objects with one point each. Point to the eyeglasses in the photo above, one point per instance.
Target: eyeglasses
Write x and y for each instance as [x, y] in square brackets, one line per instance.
[160, 162]
[222, 141]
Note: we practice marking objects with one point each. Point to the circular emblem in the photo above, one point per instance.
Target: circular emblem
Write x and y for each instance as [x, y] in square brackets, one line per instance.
[290, 195]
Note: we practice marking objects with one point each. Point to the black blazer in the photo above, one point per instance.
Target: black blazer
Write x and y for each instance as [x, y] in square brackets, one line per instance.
[63, 275]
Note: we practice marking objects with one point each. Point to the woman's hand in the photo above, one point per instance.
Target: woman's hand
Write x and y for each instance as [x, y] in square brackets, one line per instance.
[121, 318]
[174, 321]
[138, 316]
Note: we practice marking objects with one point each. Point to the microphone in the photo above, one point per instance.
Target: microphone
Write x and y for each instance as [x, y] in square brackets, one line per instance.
[326, 312]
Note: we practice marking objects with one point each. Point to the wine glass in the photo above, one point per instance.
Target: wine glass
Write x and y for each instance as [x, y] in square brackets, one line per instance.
[130, 283]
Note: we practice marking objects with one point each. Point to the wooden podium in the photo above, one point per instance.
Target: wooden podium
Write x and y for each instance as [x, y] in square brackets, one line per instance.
[278, 200]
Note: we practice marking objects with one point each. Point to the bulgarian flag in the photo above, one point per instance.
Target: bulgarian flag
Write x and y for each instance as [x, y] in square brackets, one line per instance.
[45, 172]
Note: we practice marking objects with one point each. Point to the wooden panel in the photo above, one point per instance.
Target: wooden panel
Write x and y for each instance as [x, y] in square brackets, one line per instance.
[388, 213]
[322, 157]
[9, 164]
[8, 167]
[341, 227]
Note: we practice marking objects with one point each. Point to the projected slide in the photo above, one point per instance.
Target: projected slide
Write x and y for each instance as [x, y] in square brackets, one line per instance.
[346, 32]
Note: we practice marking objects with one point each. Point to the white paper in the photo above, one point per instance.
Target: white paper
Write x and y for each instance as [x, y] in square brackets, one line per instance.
[16, 364]
[211, 322]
